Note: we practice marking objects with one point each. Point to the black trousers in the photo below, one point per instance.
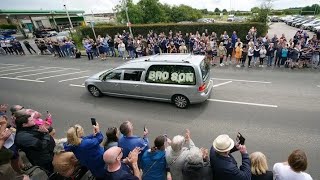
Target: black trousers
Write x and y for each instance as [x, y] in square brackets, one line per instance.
[29, 48]
[90, 55]
[249, 61]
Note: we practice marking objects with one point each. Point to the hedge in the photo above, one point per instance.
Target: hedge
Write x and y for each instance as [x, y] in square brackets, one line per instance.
[8, 26]
[143, 29]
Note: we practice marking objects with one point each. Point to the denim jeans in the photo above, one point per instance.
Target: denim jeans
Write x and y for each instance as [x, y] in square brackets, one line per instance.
[131, 54]
[255, 59]
[121, 54]
[315, 60]
[113, 52]
[270, 59]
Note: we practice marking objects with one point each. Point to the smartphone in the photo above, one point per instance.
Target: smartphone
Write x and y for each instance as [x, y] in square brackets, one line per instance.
[240, 139]
[93, 121]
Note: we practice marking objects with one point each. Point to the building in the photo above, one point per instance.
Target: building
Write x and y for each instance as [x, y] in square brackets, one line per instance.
[100, 18]
[30, 20]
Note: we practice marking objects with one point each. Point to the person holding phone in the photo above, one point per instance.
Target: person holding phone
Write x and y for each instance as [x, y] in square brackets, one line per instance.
[87, 149]
[223, 164]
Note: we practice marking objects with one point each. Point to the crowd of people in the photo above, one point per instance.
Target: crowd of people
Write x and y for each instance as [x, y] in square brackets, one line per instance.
[296, 52]
[122, 155]
[300, 51]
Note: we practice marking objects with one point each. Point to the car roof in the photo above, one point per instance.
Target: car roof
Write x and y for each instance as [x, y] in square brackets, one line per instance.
[180, 58]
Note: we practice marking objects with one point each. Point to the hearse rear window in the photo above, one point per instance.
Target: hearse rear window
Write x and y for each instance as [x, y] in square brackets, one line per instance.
[171, 74]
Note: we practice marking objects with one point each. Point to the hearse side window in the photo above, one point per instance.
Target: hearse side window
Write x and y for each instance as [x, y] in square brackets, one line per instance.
[171, 74]
[115, 75]
[132, 75]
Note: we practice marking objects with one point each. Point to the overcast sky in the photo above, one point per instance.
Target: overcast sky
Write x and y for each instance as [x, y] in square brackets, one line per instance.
[107, 5]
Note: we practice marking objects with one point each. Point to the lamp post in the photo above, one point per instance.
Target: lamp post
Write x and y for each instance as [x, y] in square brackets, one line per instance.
[128, 21]
[65, 7]
[92, 26]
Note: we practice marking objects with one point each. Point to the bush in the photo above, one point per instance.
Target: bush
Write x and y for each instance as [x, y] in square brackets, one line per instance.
[143, 29]
[8, 26]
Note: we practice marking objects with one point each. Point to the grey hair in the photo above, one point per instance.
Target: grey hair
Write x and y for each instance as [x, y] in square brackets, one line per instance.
[59, 148]
[177, 143]
[194, 156]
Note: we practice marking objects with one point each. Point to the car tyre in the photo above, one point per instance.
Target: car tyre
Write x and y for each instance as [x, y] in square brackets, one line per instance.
[94, 91]
[180, 101]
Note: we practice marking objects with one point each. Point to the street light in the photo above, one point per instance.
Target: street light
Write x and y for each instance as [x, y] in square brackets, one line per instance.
[128, 21]
[65, 7]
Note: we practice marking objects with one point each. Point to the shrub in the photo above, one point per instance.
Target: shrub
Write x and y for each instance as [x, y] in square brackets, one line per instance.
[143, 29]
[8, 26]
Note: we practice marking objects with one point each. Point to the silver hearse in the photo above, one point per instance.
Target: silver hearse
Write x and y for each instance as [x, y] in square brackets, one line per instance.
[182, 79]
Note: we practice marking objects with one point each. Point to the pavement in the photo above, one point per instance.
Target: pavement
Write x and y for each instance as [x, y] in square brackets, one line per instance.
[276, 109]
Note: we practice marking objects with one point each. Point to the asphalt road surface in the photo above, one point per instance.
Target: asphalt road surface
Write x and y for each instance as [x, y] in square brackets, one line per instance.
[277, 110]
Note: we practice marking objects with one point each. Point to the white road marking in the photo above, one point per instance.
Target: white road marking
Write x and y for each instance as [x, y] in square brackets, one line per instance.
[75, 85]
[10, 66]
[16, 69]
[61, 75]
[41, 73]
[24, 71]
[221, 84]
[245, 103]
[73, 78]
[240, 80]
[19, 79]
[60, 67]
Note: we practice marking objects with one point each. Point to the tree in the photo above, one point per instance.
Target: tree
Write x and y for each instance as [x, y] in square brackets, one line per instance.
[134, 12]
[216, 10]
[255, 9]
[152, 12]
[224, 11]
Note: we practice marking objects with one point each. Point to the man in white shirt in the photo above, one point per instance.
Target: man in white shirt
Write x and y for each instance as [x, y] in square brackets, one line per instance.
[294, 168]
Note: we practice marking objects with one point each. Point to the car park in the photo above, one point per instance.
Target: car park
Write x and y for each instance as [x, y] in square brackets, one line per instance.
[316, 28]
[182, 79]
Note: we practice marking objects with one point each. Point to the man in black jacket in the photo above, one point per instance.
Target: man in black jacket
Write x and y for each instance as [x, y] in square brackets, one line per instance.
[34, 141]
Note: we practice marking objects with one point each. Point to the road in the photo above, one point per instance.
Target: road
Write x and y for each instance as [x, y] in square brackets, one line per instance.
[277, 110]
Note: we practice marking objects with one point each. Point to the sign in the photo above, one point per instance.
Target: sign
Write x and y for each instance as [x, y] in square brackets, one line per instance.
[162, 76]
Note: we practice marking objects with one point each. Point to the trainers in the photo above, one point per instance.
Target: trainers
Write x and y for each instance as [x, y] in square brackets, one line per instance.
[261, 65]
[221, 64]
[249, 66]
[238, 66]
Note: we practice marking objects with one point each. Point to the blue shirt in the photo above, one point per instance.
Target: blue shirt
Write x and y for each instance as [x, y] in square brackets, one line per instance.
[284, 53]
[153, 165]
[128, 143]
[90, 153]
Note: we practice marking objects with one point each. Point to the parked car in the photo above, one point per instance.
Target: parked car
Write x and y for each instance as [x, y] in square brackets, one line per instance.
[231, 18]
[310, 24]
[61, 36]
[310, 27]
[206, 20]
[316, 28]
[275, 19]
[182, 79]
[295, 22]
[7, 37]
[303, 22]
[289, 22]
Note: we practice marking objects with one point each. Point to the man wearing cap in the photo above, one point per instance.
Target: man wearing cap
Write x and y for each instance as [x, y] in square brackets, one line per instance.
[223, 165]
